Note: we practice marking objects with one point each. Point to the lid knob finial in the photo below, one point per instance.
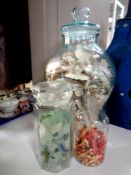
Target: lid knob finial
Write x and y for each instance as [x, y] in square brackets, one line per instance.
[80, 13]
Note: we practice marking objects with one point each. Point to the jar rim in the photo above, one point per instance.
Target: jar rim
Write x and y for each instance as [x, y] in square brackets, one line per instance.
[80, 28]
[52, 85]
[52, 93]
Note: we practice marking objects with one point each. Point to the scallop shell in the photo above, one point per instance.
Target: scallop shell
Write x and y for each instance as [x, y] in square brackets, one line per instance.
[82, 56]
[77, 76]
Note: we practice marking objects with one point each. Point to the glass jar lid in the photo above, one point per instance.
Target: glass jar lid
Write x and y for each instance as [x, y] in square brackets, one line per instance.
[52, 93]
[80, 24]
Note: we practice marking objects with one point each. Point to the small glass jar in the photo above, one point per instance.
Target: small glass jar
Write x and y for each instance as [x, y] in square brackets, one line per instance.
[53, 121]
[90, 138]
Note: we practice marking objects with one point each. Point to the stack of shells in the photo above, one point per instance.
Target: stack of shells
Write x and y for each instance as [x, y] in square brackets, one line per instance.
[89, 73]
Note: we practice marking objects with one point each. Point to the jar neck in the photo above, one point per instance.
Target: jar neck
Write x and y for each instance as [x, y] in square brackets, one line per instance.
[77, 39]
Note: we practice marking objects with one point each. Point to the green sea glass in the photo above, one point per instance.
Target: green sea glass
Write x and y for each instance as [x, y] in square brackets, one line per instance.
[54, 133]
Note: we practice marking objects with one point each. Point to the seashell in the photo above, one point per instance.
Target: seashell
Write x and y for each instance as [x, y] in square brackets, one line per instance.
[81, 76]
[77, 69]
[53, 65]
[66, 68]
[52, 77]
[87, 84]
[82, 56]
[56, 71]
[89, 69]
[68, 54]
[95, 56]
[82, 60]
[64, 58]
[78, 92]
[105, 87]
[71, 60]
[85, 58]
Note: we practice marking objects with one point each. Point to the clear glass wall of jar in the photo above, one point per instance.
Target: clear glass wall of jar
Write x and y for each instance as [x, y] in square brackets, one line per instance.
[53, 121]
[90, 138]
[82, 62]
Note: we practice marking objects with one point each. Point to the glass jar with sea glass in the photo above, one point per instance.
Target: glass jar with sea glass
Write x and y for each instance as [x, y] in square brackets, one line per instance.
[53, 122]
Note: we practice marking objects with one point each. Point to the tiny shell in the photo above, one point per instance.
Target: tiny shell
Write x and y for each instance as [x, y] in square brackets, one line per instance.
[78, 92]
[96, 56]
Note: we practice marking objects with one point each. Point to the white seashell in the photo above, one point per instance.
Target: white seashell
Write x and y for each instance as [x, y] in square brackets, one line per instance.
[53, 65]
[78, 92]
[66, 68]
[76, 76]
[71, 60]
[64, 58]
[96, 56]
[77, 69]
[83, 56]
[89, 68]
[83, 60]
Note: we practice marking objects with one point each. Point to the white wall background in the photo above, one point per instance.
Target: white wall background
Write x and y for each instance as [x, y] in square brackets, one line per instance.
[37, 37]
[99, 14]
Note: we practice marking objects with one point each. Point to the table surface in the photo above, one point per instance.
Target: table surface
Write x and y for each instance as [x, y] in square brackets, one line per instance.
[17, 152]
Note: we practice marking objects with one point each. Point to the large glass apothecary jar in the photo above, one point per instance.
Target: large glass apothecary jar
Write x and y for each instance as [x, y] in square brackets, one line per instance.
[53, 121]
[82, 62]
